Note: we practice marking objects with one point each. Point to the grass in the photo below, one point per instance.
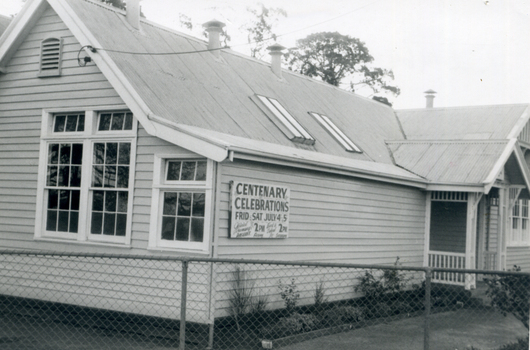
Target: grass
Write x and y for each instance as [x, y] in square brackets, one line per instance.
[521, 344]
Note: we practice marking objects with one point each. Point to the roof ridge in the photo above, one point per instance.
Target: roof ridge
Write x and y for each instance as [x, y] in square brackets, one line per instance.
[449, 141]
[229, 50]
[463, 107]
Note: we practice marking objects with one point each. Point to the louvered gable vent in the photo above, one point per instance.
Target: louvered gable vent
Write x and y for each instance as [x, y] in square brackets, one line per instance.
[50, 57]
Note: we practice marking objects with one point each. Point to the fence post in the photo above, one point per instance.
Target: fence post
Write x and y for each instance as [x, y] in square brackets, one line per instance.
[426, 330]
[183, 295]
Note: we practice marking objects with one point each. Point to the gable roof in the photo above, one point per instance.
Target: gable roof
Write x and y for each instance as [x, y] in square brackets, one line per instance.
[216, 94]
[208, 104]
[464, 123]
[464, 164]
[183, 98]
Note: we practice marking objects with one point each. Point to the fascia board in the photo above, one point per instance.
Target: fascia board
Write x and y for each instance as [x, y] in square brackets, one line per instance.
[107, 66]
[191, 142]
[489, 181]
[520, 124]
[17, 26]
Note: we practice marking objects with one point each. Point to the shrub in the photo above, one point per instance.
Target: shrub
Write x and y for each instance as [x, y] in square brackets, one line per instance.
[320, 296]
[342, 314]
[376, 288]
[242, 299]
[401, 307]
[380, 310]
[293, 324]
[511, 294]
[240, 294]
[289, 294]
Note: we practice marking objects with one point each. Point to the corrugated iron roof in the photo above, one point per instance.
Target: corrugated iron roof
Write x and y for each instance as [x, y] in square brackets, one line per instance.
[461, 123]
[198, 90]
[449, 162]
[237, 144]
[4, 22]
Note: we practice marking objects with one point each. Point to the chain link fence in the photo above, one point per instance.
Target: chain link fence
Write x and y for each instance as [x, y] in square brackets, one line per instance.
[88, 301]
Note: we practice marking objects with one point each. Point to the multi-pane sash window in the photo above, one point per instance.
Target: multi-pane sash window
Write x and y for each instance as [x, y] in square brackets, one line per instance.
[520, 228]
[182, 204]
[183, 212]
[86, 179]
[183, 216]
[63, 182]
[110, 183]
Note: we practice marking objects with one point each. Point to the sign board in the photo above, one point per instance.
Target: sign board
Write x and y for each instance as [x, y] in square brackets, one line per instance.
[259, 211]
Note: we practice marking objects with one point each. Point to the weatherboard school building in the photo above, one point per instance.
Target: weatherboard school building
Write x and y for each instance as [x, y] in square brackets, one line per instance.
[215, 154]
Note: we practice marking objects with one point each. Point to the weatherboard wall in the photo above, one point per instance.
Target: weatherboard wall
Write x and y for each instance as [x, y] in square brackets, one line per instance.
[335, 219]
[332, 218]
[518, 256]
[23, 96]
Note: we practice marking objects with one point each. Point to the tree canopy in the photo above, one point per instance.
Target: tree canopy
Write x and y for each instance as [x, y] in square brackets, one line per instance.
[260, 28]
[336, 58]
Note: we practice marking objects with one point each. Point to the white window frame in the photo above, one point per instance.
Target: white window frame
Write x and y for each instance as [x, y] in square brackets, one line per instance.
[88, 138]
[160, 186]
[519, 236]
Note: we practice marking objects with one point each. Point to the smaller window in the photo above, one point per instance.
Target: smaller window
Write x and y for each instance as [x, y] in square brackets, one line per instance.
[116, 121]
[519, 235]
[291, 127]
[181, 204]
[69, 122]
[186, 171]
[50, 57]
[336, 132]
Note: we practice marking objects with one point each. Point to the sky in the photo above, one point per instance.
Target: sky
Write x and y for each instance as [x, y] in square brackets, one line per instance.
[471, 52]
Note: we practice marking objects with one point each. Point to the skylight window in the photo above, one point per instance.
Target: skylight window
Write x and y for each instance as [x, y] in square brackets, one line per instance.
[291, 127]
[336, 132]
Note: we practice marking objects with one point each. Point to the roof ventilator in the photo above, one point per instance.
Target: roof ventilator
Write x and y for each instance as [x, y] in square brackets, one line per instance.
[429, 95]
[276, 53]
[214, 28]
[132, 13]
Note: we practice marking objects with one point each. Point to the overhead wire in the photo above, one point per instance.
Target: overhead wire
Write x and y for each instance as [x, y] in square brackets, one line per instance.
[94, 49]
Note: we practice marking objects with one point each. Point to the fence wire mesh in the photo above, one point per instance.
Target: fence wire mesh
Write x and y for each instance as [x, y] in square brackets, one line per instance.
[68, 301]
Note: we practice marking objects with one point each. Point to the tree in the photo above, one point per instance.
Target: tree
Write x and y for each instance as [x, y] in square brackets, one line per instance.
[121, 4]
[260, 28]
[116, 3]
[334, 58]
[382, 99]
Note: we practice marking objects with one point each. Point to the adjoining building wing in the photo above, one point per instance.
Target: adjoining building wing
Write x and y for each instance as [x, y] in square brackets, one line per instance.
[463, 123]
[462, 165]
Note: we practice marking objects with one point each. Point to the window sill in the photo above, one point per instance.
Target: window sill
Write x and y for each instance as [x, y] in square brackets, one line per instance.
[83, 243]
[178, 250]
